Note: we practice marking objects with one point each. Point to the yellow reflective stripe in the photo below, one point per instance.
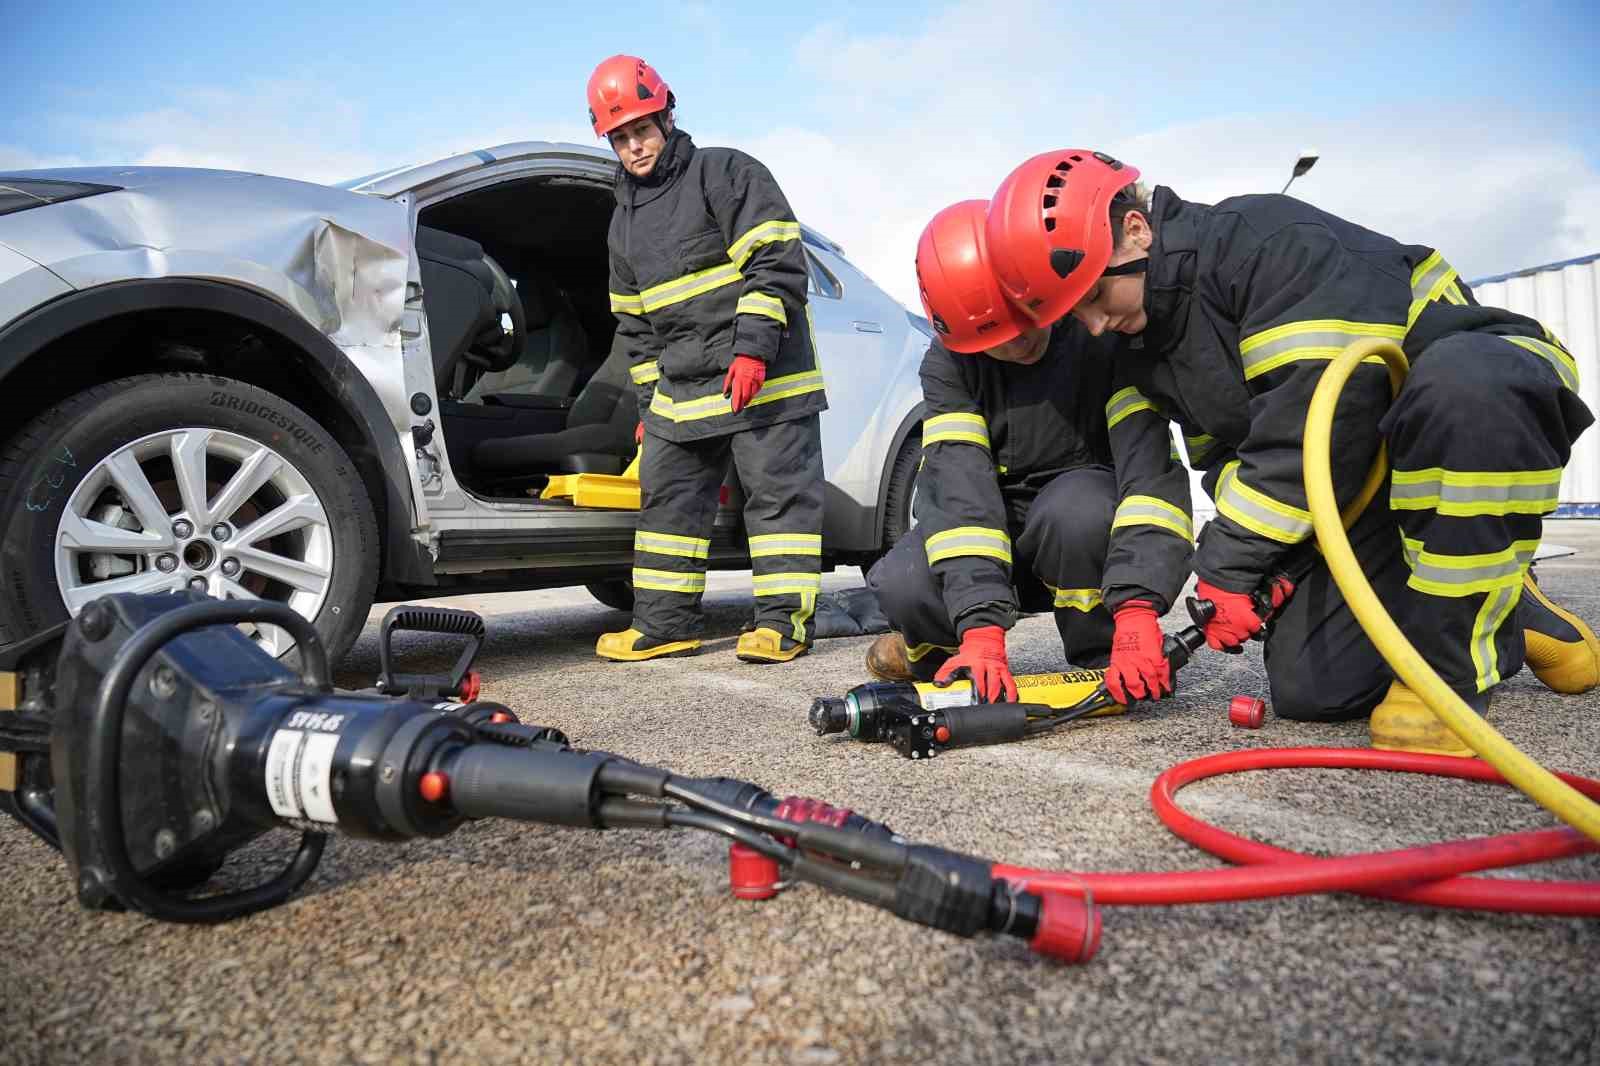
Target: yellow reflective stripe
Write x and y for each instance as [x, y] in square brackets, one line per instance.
[1258, 512]
[1466, 575]
[916, 654]
[626, 303]
[765, 544]
[668, 580]
[969, 540]
[671, 544]
[960, 427]
[1465, 493]
[689, 286]
[1199, 447]
[775, 389]
[1428, 283]
[1077, 599]
[769, 232]
[1563, 364]
[1321, 338]
[1497, 607]
[1125, 402]
[801, 614]
[793, 584]
[644, 373]
[1153, 511]
[759, 303]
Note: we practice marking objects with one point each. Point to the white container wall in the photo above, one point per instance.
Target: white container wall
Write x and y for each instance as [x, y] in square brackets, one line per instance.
[1566, 298]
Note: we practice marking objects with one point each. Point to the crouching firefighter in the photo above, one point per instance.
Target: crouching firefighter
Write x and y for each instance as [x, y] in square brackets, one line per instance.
[1017, 506]
[708, 284]
[1233, 312]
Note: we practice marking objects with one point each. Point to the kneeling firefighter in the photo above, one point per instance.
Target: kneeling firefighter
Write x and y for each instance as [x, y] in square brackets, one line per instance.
[708, 283]
[1017, 506]
[1231, 312]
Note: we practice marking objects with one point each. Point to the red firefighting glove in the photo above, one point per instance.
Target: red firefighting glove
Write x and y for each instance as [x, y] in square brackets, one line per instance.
[744, 379]
[1138, 670]
[983, 657]
[638, 435]
[1236, 620]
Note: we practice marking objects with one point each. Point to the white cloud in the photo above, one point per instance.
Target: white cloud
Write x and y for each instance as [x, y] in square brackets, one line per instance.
[904, 124]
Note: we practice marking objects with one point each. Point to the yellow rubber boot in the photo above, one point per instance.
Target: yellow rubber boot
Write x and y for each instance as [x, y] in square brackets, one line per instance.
[1560, 649]
[768, 646]
[1402, 722]
[632, 646]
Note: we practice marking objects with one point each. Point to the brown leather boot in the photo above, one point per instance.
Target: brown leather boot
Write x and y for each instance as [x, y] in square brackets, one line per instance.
[887, 661]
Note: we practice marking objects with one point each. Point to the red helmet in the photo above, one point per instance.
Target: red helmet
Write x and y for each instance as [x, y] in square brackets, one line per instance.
[959, 292]
[1049, 228]
[622, 89]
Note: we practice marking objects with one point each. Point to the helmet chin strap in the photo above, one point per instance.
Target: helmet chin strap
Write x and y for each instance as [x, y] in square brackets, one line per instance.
[1132, 266]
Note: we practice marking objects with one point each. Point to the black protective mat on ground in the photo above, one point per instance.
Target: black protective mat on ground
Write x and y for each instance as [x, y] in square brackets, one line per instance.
[848, 613]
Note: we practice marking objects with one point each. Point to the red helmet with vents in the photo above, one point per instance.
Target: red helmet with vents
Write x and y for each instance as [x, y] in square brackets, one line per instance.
[622, 89]
[1049, 229]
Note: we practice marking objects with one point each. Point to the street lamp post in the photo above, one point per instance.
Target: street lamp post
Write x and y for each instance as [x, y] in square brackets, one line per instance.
[1306, 161]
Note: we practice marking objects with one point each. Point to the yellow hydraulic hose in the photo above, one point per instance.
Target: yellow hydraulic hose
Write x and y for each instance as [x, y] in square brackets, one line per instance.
[1543, 787]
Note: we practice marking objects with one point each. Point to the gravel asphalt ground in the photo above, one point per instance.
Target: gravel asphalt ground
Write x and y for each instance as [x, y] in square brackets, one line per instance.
[508, 943]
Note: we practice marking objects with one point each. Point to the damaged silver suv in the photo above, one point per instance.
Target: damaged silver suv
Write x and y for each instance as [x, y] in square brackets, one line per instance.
[259, 387]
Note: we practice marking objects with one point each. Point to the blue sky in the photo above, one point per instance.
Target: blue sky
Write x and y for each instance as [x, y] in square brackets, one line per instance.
[873, 115]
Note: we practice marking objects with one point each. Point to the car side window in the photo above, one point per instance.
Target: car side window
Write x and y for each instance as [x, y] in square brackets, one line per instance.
[820, 280]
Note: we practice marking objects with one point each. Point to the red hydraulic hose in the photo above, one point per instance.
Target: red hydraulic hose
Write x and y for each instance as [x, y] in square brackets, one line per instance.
[1394, 875]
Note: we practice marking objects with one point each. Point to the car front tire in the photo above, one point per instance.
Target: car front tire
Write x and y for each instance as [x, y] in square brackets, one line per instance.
[168, 481]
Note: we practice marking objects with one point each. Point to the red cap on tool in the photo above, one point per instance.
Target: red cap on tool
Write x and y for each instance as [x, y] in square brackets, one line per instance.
[1246, 712]
[471, 685]
[1069, 927]
[433, 786]
[751, 874]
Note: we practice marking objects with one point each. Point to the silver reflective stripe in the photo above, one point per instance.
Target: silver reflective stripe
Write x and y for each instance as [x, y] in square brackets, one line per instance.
[668, 580]
[1496, 607]
[1433, 272]
[1468, 574]
[1564, 365]
[969, 540]
[1125, 402]
[1312, 343]
[765, 544]
[1258, 512]
[1437, 493]
[1149, 511]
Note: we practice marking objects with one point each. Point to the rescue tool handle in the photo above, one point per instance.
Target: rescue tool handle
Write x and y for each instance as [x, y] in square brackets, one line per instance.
[442, 620]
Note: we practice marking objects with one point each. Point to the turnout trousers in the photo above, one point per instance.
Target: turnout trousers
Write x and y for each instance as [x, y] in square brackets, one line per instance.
[780, 468]
[1060, 538]
[1477, 439]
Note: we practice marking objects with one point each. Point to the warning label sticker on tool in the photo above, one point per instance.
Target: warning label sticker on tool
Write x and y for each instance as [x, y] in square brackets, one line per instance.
[937, 698]
[300, 774]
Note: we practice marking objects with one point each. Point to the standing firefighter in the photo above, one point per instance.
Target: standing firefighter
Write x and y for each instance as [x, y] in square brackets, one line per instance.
[1233, 312]
[1017, 506]
[708, 283]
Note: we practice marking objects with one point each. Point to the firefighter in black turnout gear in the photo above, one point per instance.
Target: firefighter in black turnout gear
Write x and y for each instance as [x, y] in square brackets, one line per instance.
[708, 283]
[1231, 313]
[1017, 506]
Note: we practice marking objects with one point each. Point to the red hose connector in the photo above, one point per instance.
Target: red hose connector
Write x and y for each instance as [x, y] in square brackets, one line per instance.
[1246, 712]
[1069, 927]
[751, 874]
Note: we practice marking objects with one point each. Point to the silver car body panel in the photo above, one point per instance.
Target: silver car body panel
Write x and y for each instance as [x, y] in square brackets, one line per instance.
[344, 259]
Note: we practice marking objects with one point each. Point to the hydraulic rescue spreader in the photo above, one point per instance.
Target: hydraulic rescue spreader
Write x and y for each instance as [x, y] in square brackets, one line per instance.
[172, 740]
